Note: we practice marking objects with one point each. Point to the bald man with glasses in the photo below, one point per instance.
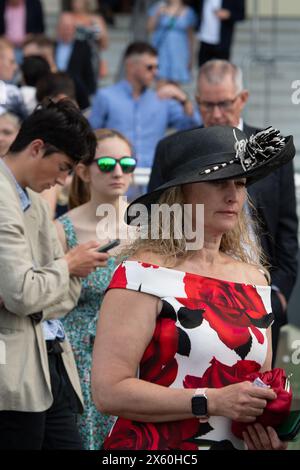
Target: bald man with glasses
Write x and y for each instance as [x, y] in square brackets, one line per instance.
[221, 98]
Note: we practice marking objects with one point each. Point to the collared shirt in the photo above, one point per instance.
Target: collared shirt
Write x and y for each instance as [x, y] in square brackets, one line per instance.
[142, 120]
[22, 193]
[52, 329]
[63, 54]
[210, 27]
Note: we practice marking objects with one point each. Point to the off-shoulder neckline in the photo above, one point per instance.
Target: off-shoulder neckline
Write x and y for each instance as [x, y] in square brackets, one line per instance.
[196, 275]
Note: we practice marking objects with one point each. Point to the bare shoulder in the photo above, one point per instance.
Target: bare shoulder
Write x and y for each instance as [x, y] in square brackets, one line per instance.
[256, 275]
[77, 216]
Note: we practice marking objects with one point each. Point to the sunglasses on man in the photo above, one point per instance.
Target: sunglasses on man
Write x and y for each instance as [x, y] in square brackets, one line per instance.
[108, 164]
[151, 67]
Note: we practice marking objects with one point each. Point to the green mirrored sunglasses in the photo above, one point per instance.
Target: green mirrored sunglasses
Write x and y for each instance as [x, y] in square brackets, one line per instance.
[108, 164]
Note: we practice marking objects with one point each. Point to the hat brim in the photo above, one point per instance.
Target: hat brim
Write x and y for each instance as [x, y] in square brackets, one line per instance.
[232, 171]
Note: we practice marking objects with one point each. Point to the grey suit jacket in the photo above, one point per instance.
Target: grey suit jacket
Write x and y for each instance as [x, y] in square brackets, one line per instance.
[34, 285]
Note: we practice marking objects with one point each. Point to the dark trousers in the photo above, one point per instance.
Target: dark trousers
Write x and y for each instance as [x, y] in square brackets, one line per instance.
[212, 51]
[54, 428]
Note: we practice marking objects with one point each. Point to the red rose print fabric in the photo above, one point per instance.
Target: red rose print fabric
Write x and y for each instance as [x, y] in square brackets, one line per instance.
[245, 312]
[219, 375]
[209, 333]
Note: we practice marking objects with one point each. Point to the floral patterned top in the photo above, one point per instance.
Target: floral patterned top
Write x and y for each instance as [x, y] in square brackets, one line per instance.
[80, 326]
[206, 327]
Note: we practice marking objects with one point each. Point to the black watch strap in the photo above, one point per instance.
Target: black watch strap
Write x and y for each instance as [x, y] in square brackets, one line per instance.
[199, 404]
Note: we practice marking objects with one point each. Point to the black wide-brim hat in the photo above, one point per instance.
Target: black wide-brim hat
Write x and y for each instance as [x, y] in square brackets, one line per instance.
[217, 153]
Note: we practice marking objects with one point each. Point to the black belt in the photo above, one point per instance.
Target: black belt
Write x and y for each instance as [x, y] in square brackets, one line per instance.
[54, 346]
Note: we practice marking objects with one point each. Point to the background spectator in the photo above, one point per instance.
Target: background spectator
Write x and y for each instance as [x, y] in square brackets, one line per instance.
[136, 110]
[11, 97]
[90, 188]
[92, 28]
[39, 44]
[18, 18]
[217, 22]
[9, 127]
[56, 86]
[34, 68]
[74, 57]
[172, 26]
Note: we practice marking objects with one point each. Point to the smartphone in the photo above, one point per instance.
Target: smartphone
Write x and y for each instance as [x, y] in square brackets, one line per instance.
[109, 246]
[290, 428]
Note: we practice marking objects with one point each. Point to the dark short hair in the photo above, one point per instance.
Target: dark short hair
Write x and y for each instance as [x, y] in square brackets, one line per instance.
[139, 48]
[63, 129]
[53, 84]
[34, 67]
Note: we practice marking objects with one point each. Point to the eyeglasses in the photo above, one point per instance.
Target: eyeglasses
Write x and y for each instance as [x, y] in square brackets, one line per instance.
[151, 67]
[108, 164]
[223, 105]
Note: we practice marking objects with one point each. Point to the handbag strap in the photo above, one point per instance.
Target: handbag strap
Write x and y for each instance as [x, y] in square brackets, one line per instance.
[168, 27]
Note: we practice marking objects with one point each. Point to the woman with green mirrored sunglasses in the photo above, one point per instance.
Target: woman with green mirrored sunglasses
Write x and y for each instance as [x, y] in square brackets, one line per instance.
[108, 164]
[92, 188]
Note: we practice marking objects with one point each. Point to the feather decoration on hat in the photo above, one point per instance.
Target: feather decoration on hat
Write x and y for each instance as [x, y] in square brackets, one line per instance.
[259, 148]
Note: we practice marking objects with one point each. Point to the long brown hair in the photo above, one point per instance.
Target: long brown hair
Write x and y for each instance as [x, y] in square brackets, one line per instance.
[80, 190]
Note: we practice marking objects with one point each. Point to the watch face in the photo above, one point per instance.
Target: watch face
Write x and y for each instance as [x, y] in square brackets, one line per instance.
[199, 406]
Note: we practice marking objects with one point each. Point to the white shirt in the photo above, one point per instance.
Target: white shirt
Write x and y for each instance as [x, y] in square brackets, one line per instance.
[210, 27]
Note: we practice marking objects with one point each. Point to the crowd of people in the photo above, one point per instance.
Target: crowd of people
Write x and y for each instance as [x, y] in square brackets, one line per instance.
[119, 349]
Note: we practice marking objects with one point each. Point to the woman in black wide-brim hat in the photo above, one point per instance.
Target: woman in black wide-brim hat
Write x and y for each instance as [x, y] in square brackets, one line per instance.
[187, 316]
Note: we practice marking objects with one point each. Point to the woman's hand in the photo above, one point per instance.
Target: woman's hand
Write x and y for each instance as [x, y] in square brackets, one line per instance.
[240, 402]
[259, 438]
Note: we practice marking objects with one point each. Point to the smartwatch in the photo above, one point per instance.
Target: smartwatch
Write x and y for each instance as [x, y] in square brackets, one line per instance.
[199, 404]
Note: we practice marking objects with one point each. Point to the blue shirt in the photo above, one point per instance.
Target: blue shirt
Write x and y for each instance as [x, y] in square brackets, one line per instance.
[142, 120]
[52, 329]
[62, 55]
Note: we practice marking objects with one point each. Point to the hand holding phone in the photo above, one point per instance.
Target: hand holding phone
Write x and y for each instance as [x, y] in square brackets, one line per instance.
[109, 246]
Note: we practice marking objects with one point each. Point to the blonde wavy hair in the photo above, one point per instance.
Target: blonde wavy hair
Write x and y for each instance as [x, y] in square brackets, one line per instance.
[241, 243]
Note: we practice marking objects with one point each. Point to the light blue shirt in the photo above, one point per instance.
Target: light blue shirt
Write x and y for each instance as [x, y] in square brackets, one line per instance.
[142, 120]
[62, 55]
[52, 329]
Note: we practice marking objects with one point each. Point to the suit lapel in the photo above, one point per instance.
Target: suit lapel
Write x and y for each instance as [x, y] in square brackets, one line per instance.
[30, 223]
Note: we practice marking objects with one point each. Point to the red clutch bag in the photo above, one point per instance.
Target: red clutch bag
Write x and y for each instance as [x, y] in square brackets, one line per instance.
[219, 375]
[276, 410]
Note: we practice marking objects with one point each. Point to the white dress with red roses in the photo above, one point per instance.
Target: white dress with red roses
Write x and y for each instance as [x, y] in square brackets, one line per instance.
[207, 332]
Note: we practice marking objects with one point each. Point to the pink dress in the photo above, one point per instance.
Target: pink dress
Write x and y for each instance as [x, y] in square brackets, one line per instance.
[206, 328]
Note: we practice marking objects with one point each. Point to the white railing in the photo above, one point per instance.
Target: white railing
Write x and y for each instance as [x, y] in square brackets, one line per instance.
[141, 176]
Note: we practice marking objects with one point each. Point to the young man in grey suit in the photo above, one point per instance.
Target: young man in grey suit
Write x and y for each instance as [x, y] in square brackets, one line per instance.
[221, 98]
[39, 387]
